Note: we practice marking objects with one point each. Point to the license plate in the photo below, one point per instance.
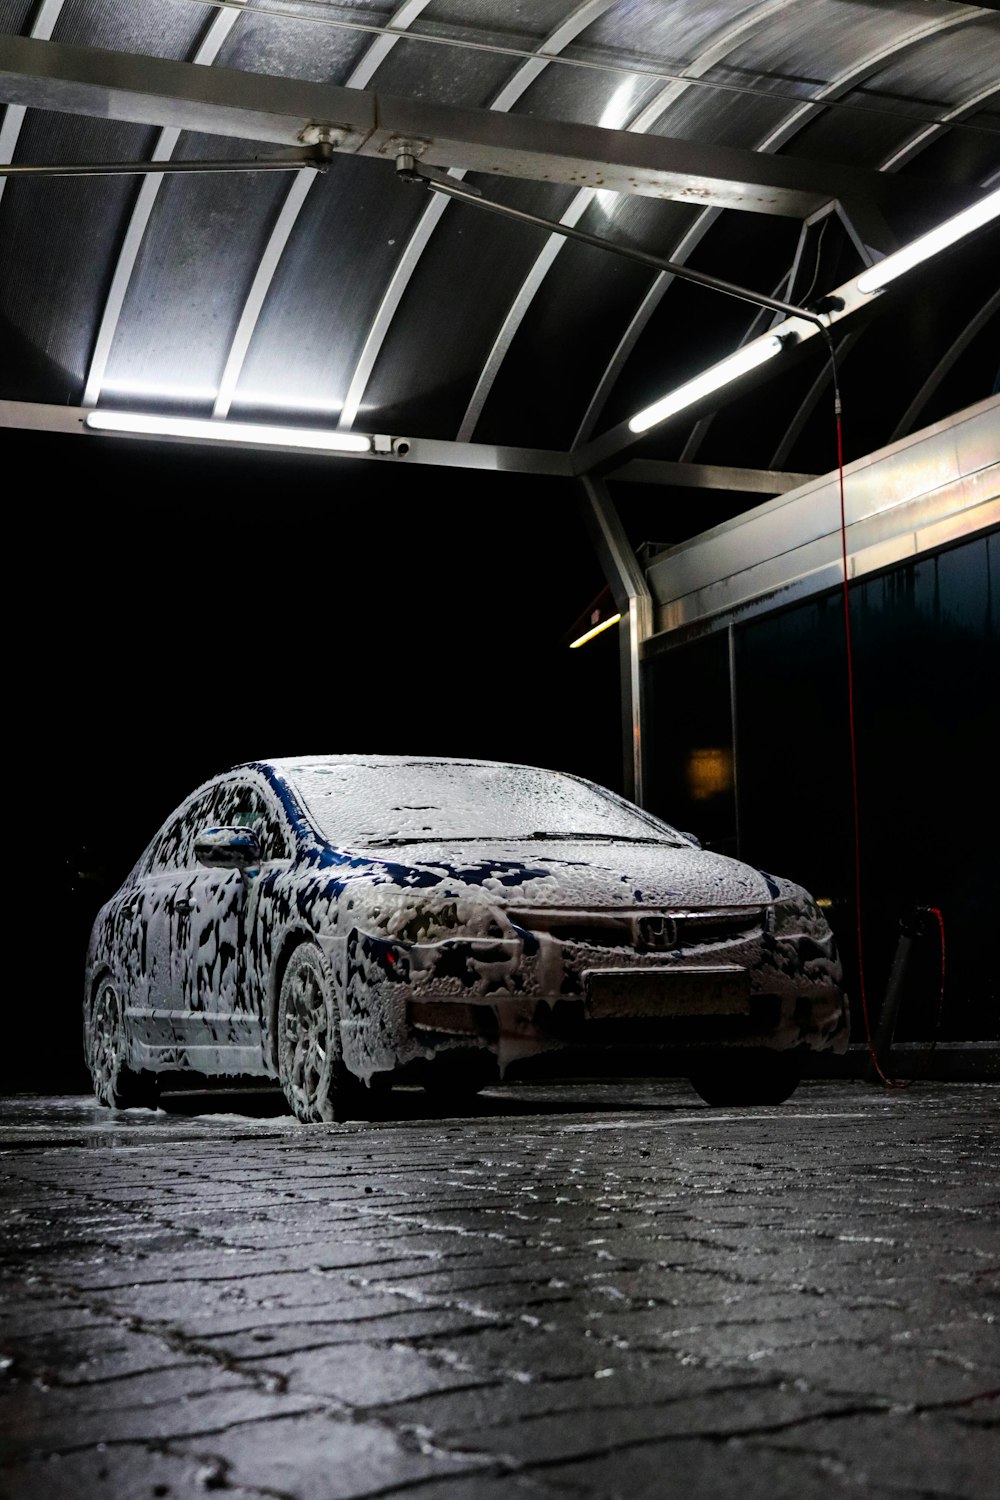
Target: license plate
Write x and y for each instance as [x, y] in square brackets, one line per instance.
[667, 991]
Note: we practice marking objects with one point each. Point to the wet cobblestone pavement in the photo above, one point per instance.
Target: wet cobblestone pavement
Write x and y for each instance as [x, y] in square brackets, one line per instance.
[595, 1290]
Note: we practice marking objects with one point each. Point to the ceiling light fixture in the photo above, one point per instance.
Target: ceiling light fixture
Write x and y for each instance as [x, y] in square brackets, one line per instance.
[582, 640]
[252, 434]
[956, 228]
[744, 360]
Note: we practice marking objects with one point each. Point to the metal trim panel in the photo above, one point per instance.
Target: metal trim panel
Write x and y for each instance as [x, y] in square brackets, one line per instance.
[917, 494]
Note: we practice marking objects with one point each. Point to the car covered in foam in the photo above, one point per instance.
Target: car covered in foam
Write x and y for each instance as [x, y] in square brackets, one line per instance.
[341, 923]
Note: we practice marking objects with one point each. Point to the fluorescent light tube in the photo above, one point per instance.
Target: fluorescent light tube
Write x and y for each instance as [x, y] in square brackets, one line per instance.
[974, 217]
[747, 358]
[582, 640]
[251, 433]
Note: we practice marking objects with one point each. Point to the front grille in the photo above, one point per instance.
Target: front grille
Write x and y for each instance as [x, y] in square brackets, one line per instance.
[633, 927]
[717, 927]
[610, 935]
[601, 929]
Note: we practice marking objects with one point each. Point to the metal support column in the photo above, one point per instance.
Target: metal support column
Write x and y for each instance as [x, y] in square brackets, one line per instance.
[632, 597]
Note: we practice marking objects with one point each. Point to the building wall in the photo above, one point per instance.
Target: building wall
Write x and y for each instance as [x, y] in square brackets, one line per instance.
[748, 746]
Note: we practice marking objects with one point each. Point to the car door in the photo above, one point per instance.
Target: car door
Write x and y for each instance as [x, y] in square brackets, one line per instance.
[159, 914]
[219, 1019]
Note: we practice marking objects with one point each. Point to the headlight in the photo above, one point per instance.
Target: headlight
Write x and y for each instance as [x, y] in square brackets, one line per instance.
[792, 916]
[429, 921]
[803, 938]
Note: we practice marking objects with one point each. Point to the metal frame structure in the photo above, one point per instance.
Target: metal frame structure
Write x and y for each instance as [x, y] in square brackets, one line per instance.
[283, 112]
[312, 122]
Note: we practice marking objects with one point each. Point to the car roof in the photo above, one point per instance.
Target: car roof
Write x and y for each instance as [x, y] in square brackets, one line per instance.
[289, 764]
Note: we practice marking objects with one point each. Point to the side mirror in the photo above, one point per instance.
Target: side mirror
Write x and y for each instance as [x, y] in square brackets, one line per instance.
[227, 848]
[696, 841]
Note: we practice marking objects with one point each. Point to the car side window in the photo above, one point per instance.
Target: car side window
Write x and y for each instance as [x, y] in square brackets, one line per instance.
[242, 805]
[174, 849]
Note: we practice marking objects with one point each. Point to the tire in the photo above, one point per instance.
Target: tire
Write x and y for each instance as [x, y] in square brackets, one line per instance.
[311, 1068]
[115, 1084]
[747, 1077]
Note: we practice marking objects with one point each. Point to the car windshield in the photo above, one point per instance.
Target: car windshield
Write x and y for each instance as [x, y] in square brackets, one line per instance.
[357, 803]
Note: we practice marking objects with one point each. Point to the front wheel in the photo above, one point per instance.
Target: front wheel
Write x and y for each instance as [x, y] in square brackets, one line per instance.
[115, 1083]
[310, 1058]
[746, 1076]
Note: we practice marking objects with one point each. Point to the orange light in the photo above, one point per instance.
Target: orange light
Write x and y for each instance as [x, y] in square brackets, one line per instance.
[709, 772]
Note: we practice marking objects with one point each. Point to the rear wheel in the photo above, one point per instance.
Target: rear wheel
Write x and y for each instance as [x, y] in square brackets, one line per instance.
[747, 1076]
[115, 1083]
[310, 1058]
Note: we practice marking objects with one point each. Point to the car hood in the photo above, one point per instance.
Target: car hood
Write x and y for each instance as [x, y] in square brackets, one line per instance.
[585, 874]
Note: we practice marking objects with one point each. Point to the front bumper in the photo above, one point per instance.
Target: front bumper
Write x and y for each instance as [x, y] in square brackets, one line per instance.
[540, 989]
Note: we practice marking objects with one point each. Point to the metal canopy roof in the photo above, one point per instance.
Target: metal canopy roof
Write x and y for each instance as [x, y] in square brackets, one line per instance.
[779, 144]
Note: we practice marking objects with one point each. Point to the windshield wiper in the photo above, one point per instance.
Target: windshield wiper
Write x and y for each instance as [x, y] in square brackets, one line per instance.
[537, 835]
[605, 838]
[384, 842]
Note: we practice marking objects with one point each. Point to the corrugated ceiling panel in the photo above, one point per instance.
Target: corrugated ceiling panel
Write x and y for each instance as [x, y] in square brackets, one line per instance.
[290, 48]
[660, 36]
[588, 98]
[557, 358]
[444, 74]
[804, 46]
[722, 119]
[942, 71]
[170, 28]
[15, 16]
[352, 229]
[962, 158]
[59, 238]
[453, 307]
[189, 284]
[523, 25]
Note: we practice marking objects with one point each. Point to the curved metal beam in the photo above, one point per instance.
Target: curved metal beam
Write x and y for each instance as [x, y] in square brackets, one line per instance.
[142, 212]
[41, 30]
[695, 233]
[583, 16]
[292, 207]
[919, 142]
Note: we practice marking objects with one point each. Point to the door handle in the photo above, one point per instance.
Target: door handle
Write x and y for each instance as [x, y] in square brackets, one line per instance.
[185, 905]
